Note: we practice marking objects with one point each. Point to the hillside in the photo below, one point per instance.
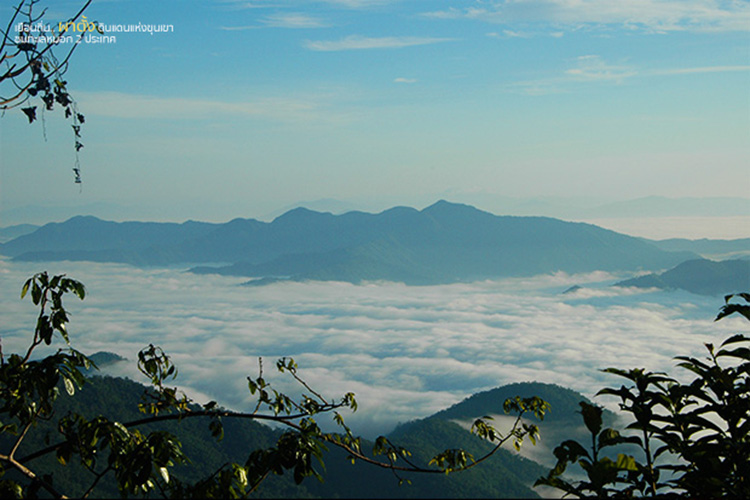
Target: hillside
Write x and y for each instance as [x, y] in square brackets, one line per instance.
[443, 243]
[702, 276]
[506, 475]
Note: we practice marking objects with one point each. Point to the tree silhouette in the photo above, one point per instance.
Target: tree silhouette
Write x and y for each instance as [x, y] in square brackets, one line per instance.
[32, 74]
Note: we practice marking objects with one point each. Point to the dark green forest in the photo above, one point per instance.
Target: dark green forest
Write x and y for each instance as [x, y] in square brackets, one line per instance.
[507, 475]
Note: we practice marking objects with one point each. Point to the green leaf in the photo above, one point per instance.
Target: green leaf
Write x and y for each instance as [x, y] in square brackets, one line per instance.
[217, 429]
[734, 339]
[729, 309]
[79, 290]
[25, 288]
[592, 417]
[626, 462]
[70, 388]
[36, 293]
[740, 352]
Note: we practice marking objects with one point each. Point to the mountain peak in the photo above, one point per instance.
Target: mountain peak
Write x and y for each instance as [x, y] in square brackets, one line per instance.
[297, 212]
[444, 204]
[84, 218]
[301, 215]
[456, 211]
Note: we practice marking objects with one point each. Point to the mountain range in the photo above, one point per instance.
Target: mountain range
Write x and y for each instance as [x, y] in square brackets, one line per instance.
[506, 475]
[443, 243]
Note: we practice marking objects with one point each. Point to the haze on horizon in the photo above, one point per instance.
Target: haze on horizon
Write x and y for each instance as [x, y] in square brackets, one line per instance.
[248, 107]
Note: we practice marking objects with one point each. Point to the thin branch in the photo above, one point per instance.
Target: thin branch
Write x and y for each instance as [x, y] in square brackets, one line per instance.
[304, 384]
[58, 68]
[284, 419]
[96, 481]
[413, 468]
[260, 376]
[21, 437]
[31, 475]
[258, 483]
[10, 24]
[289, 422]
[9, 100]
[405, 459]
[37, 338]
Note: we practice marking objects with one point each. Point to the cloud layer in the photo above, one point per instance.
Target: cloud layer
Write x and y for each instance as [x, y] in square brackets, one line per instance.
[356, 42]
[405, 351]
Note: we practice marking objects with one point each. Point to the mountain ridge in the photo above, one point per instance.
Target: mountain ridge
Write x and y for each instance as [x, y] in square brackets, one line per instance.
[442, 243]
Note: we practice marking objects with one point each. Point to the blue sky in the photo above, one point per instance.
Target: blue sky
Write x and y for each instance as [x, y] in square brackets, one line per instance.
[249, 106]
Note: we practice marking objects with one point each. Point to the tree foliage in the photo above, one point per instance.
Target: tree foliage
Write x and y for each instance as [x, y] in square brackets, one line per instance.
[32, 74]
[693, 438]
[142, 459]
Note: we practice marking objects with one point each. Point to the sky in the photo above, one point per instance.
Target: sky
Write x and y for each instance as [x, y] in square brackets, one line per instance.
[245, 107]
[406, 352]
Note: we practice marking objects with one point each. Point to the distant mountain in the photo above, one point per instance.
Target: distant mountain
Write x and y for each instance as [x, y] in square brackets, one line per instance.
[562, 422]
[597, 207]
[443, 243]
[702, 276]
[322, 205]
[11, 232]
[505, 475]
[86, 238]
[709, 249]
[103, 360]
[660, 206]
[563, 402]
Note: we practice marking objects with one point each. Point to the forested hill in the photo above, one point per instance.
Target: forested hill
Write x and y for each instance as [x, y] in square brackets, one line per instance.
[504, 475]
[443, 243]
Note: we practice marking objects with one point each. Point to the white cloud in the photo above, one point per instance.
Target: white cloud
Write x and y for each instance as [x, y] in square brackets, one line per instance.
[262, 4]
[356, 42]
[648, 15]
[404, 80]
[359, 4]
[594, 68]
[515, 34]
[292, 20]
[702, 69]
[244, 4]
[405, 351]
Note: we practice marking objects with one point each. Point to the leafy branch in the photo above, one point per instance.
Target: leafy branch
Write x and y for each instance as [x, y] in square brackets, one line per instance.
[29, 69]
[694, 438]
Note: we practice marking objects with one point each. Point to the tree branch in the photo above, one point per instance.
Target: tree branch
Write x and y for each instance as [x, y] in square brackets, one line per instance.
[96, 481]
[30, 474]
[12, 453]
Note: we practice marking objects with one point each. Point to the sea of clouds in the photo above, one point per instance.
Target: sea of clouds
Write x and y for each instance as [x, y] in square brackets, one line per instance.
[405, 351]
